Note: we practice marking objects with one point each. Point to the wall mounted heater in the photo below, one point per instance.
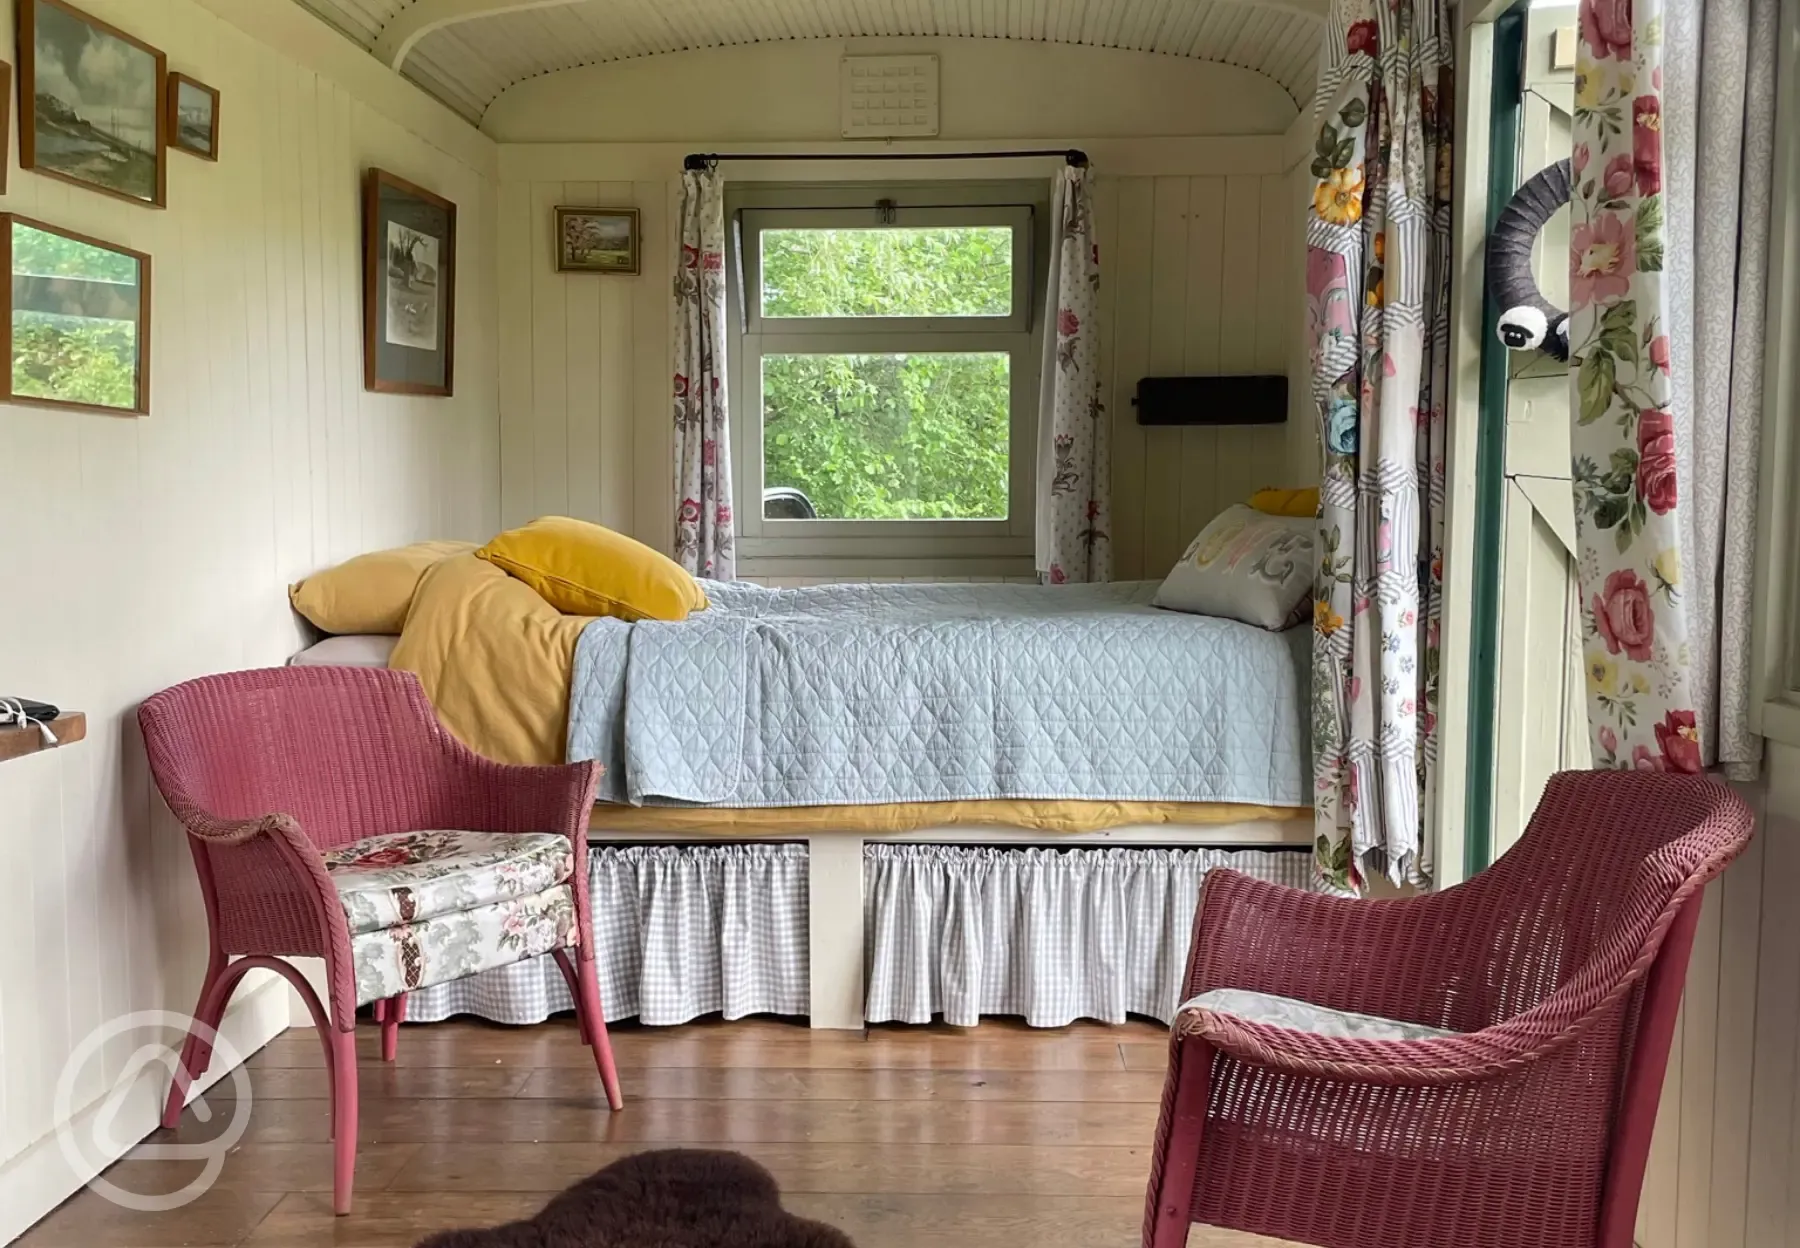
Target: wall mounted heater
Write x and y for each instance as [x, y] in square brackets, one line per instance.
[1257, 400]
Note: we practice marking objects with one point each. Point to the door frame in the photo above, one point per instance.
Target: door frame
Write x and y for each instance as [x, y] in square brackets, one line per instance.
[1491, 47]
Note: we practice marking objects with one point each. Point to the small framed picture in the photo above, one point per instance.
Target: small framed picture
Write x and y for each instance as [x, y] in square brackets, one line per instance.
[193, 122]
[90, 103]
[6, 89]
[597, 240]
[409, 287]
[77, 320]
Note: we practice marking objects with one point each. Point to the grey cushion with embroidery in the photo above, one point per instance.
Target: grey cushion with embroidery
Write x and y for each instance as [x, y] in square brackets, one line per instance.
[1247, 566]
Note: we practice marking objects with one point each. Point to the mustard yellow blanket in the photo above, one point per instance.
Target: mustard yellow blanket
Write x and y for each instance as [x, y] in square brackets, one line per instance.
[494, 659]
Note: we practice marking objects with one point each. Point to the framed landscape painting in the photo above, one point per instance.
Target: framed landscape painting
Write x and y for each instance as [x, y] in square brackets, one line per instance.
[193, 121]
[597, 240]
[409, 287]
[90, 103]
[76, 329]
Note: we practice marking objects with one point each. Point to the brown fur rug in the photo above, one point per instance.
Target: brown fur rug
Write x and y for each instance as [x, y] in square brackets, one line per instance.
[672, 1198]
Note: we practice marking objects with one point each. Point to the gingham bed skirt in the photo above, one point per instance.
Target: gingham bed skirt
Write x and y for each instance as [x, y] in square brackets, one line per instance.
[958, 931]
[679, 931]
[1044, 934]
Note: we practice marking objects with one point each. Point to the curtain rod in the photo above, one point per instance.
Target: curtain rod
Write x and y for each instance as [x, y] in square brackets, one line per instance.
[705, 160]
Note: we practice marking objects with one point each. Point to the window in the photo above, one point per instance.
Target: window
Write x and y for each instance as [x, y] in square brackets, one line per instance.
[885, 383]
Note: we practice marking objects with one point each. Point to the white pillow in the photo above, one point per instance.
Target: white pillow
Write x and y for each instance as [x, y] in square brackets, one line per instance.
[350, 650]
[1247, 566]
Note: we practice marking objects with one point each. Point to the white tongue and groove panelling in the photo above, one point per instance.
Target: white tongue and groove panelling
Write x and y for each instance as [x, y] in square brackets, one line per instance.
[468, 64]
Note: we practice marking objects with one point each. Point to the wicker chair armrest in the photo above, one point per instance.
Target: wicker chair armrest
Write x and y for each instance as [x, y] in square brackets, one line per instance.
[514, 797]
[1530, 1036]
[1345, 953]
[1486, 1054]
[271, 848]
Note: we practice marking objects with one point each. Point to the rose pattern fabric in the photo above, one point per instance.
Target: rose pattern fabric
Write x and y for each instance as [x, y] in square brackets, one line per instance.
[1074, 502]
[1623, 440]
[431, 951]
[407, 876]
[1378, 307]
[704, 534]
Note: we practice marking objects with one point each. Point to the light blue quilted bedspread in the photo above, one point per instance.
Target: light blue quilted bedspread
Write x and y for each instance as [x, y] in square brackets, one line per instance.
[850, 694]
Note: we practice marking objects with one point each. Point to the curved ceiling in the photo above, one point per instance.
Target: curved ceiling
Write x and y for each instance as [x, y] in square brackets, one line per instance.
[466, 52]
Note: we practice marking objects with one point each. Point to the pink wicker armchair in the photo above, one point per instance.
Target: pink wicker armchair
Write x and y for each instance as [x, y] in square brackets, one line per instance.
[282, 777]
[1555, 976]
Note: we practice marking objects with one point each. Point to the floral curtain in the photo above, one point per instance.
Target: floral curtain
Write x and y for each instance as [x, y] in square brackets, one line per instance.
[1623, 440]
[703, 528]
[1378, 299]
[1074, 467]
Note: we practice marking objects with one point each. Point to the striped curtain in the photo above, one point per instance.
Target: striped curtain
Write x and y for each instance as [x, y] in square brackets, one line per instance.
[1378, 300]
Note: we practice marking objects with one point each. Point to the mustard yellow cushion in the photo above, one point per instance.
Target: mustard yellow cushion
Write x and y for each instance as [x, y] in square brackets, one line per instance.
[1273, 502]
[370, 593]
[584, 569]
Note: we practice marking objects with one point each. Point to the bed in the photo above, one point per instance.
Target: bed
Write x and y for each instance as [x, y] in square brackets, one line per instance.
[860, 719]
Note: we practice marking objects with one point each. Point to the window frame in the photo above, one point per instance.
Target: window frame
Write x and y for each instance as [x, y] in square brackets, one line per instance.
[1775, 634]
[828, 547]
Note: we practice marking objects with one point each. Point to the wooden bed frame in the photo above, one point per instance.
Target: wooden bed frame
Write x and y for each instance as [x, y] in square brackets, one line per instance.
[835, 880]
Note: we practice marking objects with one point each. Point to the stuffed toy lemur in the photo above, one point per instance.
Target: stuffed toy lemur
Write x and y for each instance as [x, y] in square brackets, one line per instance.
[1527, 319]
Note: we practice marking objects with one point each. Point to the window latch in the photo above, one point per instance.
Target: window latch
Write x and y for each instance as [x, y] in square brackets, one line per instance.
[886, 211]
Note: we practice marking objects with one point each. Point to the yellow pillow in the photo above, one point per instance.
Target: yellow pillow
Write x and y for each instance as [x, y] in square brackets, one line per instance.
[584, 569]
[1273, 502]
[370, 593]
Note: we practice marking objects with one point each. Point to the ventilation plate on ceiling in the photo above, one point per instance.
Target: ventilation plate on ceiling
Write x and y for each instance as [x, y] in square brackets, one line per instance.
[888, 97]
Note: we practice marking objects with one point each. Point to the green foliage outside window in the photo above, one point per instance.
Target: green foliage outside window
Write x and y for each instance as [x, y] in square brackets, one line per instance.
[74, 358]
[75, 361]
[882, 435]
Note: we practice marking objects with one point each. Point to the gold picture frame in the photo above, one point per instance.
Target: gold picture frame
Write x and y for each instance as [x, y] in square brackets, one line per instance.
[598, 240]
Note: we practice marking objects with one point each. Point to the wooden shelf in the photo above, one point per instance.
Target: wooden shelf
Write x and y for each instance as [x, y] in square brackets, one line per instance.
[69, 727]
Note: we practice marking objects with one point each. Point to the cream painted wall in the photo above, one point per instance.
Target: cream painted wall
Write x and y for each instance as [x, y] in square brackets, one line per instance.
[142, 552]
[990, 89]
[1724, 1166]
[1200, 235]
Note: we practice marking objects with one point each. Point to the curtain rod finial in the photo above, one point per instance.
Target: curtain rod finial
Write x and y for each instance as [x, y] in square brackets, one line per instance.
[1078, 158]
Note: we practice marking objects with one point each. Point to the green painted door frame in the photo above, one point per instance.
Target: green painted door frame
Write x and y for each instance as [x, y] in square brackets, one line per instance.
[1505, 116]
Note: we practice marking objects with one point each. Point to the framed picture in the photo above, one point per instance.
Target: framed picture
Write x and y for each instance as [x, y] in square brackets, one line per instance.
[77, 323]
[193, 120]
[409, 287]
[597, 240]
[90, 103]
[5, 122]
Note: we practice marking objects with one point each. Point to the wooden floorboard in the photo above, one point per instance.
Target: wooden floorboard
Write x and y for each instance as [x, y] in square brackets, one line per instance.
[987, 1137]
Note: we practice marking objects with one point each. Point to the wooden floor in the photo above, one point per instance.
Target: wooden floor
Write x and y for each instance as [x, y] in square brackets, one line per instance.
[994, 1137]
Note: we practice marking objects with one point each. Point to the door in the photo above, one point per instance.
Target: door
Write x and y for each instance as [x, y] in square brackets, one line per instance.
[1541, 703]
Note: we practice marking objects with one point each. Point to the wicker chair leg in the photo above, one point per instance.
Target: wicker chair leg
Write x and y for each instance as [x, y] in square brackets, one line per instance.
[589, 999]
[343, 1113]
[1172, 1189]
[196, 1051]
[392, 1013]
[572, 978]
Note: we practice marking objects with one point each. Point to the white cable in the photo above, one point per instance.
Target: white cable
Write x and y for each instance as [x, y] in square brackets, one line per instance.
[13, 711]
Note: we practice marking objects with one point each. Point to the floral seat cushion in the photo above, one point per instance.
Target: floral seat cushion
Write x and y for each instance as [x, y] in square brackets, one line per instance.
[1317, 1020]
[450, 946]
[406, 877]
